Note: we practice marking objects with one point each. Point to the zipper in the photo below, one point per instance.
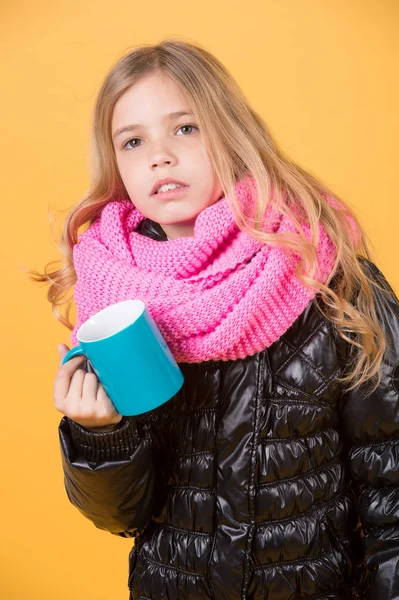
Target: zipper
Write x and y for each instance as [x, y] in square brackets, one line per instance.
[338, 544]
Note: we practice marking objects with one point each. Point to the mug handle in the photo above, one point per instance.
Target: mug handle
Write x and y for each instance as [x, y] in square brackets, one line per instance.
[75, 351]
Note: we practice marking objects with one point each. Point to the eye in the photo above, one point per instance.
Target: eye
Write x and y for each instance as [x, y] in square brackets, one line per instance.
[125, 147]
[195, 127]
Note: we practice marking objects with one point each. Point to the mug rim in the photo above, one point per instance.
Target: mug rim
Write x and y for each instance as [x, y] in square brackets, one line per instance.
[103, 311]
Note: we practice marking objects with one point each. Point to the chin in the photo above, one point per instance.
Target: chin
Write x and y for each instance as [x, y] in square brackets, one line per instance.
[183, 220]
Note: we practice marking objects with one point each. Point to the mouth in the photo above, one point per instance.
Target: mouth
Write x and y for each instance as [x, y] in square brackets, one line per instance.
[171, 194]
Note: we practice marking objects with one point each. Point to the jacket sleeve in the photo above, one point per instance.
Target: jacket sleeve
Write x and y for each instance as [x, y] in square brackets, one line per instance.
[371, 423]
[110, 476]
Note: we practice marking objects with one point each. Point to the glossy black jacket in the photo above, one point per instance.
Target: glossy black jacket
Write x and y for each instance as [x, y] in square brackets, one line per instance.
[260, 479]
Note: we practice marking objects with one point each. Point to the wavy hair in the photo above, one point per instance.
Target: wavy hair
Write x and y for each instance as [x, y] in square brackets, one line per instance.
[239, 143]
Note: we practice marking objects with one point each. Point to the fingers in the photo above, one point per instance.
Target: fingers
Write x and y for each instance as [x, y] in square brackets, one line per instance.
[64, 376]
[79, 394]
[103, 398]
[76, 384]
[62, 350]
[90, 386]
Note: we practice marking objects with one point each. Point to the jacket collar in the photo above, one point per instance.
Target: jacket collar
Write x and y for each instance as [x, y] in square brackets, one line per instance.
[152, 229]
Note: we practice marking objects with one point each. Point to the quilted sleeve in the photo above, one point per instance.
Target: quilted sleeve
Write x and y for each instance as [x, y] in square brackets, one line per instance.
[110, 476]
[371, 426]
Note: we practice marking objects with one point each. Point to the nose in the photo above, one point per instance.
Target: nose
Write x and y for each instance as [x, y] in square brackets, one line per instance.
[161, 156]
[159, 161]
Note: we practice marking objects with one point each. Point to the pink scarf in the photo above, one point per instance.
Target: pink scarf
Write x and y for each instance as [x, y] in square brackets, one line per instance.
[219, 295]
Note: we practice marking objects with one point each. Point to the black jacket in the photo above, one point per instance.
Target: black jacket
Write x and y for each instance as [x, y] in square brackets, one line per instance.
[260, 479]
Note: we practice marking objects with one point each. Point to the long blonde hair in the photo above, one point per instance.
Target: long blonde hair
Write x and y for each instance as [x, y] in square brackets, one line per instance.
[238, 143]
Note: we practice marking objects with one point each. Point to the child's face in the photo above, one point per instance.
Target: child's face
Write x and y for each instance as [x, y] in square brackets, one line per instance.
[162, 148]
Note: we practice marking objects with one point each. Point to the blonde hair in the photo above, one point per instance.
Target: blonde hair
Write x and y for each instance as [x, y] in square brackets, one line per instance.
[238, 143]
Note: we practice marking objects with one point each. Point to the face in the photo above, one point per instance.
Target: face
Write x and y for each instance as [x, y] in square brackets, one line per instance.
[163, 146]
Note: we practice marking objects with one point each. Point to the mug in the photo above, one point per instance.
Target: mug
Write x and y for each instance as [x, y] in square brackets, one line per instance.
[130, 357]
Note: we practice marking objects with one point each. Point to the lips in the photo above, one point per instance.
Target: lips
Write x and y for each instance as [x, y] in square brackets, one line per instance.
[180, 186]
[164, 181]
[172, 194]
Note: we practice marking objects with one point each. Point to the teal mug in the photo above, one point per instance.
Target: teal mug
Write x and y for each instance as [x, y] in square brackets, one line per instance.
[130, 357]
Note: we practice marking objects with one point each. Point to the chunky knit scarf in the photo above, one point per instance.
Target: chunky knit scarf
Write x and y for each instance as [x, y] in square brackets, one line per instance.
[218, 295]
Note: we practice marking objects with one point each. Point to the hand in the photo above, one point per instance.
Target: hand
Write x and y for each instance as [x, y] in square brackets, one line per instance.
[80, 395]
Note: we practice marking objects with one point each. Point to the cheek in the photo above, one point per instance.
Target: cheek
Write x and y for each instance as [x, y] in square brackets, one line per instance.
[204, 158]
[132, 175]
[194, 155]
[123, 169]
[202, 172]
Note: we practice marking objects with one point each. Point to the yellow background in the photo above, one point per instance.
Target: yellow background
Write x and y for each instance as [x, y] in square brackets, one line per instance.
[323, 75]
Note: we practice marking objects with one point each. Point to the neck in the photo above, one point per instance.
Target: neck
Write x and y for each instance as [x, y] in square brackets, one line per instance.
[179, 230]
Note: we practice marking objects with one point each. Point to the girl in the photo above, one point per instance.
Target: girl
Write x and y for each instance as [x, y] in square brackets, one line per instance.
[273, 472]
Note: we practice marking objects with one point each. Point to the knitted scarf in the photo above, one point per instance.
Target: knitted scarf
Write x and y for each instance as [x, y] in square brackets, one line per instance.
[217, 295]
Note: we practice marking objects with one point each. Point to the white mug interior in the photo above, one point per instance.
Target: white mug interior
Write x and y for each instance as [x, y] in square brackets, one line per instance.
[110, 320]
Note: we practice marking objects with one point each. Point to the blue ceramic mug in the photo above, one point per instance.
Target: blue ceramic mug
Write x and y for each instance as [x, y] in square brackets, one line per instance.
[129, 356]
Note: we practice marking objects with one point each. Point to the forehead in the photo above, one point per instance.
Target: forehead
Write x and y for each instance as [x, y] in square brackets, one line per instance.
[152, 98]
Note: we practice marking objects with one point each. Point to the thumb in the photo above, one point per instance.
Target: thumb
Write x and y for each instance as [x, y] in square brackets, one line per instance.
[62, 350]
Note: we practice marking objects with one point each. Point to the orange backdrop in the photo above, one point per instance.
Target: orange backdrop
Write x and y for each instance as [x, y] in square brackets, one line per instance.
[323, 75]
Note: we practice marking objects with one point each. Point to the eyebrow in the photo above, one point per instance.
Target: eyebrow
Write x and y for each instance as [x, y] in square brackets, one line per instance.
[173, 115]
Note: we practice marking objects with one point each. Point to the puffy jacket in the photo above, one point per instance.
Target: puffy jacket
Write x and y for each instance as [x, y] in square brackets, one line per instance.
[260, 479]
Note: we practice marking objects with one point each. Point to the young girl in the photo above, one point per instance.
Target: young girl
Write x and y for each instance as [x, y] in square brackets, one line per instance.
[273, 472]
